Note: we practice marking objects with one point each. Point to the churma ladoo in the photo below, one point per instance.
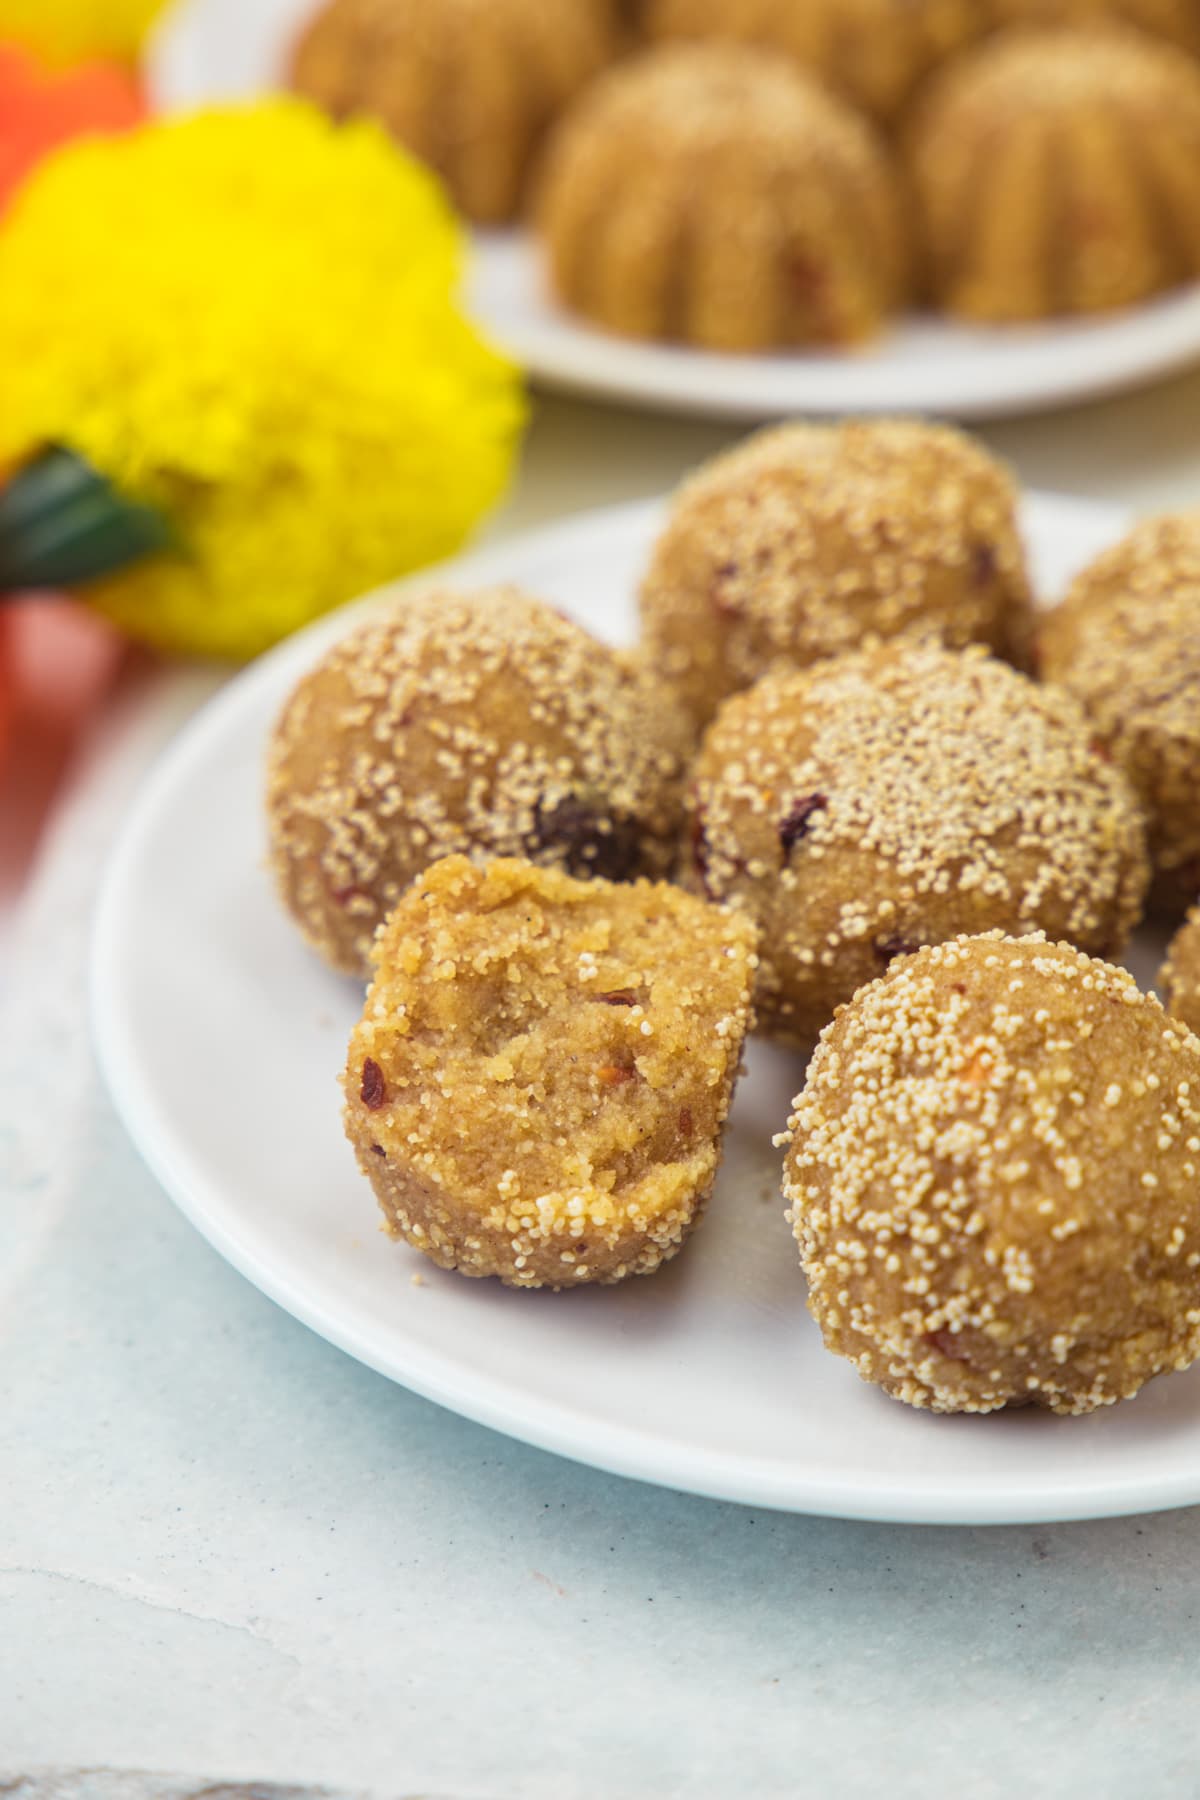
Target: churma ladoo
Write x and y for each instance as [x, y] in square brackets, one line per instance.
[1179, 977]
[1126, 643]
[538, 1084]
[993, 1174]
[805, 539]
[1055, 172]
[486, 724]
[875, 52]
[470, 86]
[899, 796]
[714, 195]
[1176, 20]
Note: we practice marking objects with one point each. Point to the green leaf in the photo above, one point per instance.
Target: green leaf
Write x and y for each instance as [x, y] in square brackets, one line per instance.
[63, 524]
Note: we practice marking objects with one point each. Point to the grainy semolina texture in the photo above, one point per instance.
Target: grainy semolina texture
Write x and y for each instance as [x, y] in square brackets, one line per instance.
[1055, 172]
[1126, 643]
[484, 723]
[1179, 977]
[714, 195]
[993, 1174]
[1176, 20]
[470, 86]
[899, 796]
[805, 539]
[874, 51]
[539, 1082]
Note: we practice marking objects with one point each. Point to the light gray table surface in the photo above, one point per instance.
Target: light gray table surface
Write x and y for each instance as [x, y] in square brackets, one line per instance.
[228, 1550]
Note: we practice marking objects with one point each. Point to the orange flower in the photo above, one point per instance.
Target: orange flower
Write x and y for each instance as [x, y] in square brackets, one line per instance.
[40, 110]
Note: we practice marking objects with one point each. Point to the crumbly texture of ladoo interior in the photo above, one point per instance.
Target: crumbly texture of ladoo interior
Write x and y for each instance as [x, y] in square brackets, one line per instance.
[1126, 643]
[485, 724]
[1055, 172]
[993, 1174]
[900, 796]
[875, 52]
[805, 539]
[469, 86]
[714, 195]
[1176, 20]
[1179, 977]
[539, 1082]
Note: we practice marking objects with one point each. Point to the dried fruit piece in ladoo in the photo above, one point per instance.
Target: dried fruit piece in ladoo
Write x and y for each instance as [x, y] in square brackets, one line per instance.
[993, 1173]
[484, 723]
[1179, 977]
[1055, 172]
[899, 796]
[875, 52]
[206, 459]
[715, 196]
[469, 86]
[805, 539]
[540, 1079]
[1126, 643]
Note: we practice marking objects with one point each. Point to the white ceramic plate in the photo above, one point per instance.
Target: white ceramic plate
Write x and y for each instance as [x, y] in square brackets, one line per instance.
[221, 49]
[221, 1038]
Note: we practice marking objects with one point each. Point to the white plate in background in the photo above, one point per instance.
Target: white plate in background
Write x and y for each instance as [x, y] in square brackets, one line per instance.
[208, 50]
[222, 1038]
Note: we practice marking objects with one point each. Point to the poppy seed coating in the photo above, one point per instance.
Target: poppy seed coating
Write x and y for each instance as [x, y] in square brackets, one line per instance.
[993, 1174]
[484, 724]
[1126, 643]
[806, 539]
[938, 792]
[1179, 977]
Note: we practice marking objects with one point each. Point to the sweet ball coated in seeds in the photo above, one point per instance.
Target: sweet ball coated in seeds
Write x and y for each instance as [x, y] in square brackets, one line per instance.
[900, 796]
[484, 724]
[1126, 643]
[807, 539]
[1179, 977]
[993, 1174]
[540, 1079]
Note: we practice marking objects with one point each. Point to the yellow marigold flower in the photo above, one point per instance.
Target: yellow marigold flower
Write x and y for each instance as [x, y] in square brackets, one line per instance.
[246, 320]
[66, 31]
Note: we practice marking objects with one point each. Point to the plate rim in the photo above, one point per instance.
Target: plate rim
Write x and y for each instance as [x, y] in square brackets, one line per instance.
[626, 1449]
[568, 354]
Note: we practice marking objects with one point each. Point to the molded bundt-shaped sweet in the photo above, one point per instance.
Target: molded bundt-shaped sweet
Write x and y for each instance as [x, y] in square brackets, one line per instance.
[467, 85]
[714, 194]
[1055, 172]
[1176, 20]
[873, 51]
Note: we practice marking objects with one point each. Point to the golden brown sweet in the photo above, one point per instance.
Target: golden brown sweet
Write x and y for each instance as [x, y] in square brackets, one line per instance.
[1055, 172]
[713, 194]
[539, 1082]
[874, 51]
[805, 539]
[1176, 20]
[1179, 977]
[1126, 643]
[486, 724]
[470, 86]
[896, 797]
[994, 1177]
